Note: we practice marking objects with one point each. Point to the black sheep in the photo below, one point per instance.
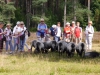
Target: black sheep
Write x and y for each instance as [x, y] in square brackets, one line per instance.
[39, 47]
[80, 49]
[70, 49]
[50, 45]
[61, 46]
[33, 44]
[92, 54]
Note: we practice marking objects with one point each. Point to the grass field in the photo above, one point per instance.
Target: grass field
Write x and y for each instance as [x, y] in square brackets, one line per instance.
[48, 64]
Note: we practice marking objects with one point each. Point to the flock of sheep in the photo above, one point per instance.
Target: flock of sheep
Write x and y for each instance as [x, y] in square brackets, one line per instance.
[63, 47]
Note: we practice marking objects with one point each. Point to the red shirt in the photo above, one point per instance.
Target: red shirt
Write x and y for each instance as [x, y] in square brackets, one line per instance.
[77, 32]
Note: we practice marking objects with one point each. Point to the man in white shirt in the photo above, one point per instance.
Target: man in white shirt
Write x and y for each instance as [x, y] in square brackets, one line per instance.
[89, 31]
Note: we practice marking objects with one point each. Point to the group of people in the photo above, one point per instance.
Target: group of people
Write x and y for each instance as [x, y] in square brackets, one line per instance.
[13, 39]
[70, 33]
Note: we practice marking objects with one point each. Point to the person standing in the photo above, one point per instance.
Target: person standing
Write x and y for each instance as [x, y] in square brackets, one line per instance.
[52, 31]
[72, 31]
[1, 36]
[89, 31]
[22, 36]
[78, 33]
[58, 32]
[41, 30]
[8, 36]
[26, 38]
[67, 32]
[16, 31]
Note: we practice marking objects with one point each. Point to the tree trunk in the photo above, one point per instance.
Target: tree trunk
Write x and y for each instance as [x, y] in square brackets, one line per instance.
[28, 12]
[75, 10]
[88, 9]
[65, 13]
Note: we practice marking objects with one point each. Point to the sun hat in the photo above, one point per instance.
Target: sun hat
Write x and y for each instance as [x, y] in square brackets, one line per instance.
[90, 22]
[41, 19]
[8, 24]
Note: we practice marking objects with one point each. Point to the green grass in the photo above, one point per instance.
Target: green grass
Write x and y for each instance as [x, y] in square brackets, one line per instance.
[48, 64]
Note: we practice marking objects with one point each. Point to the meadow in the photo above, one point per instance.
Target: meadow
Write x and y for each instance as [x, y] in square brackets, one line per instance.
[51, 63]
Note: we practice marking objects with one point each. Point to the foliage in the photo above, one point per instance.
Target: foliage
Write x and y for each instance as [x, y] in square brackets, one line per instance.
[6, 11]
[52, 10]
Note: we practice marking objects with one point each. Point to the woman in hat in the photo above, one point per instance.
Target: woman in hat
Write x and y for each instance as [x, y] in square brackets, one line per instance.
[89, 31]
[8, 36]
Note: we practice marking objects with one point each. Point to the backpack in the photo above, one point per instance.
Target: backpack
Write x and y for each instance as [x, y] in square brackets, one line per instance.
[29, 34]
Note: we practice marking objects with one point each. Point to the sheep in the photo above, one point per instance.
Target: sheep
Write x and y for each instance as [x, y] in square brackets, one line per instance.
[80, 49]
[50, 45]
[33, 44]
[70, 49]
[62, 46]
[92, 54]
[39, 47]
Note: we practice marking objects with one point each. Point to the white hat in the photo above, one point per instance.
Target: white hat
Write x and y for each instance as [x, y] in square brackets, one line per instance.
[41, 19]
[53, 25]
[73, 21]
[67, 23]
[18, 22]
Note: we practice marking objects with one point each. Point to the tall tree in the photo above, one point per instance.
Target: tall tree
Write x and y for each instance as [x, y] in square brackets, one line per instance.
[89, 10]
[65, 13]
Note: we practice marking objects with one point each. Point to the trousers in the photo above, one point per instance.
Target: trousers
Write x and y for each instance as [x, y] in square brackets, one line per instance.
[89, 42]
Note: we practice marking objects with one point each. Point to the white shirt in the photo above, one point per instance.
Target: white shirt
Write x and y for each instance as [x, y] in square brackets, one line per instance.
[8, 34]
[89, 29]
[58, 32]
[16, 30]
[22, 30]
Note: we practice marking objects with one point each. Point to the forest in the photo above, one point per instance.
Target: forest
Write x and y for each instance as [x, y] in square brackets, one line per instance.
[53, 11]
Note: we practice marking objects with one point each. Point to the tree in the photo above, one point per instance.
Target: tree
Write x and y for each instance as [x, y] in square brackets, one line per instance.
[65, 13]
[6, 11]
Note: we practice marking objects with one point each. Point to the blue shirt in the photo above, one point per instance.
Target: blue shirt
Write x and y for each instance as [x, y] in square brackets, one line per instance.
[42, 27]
